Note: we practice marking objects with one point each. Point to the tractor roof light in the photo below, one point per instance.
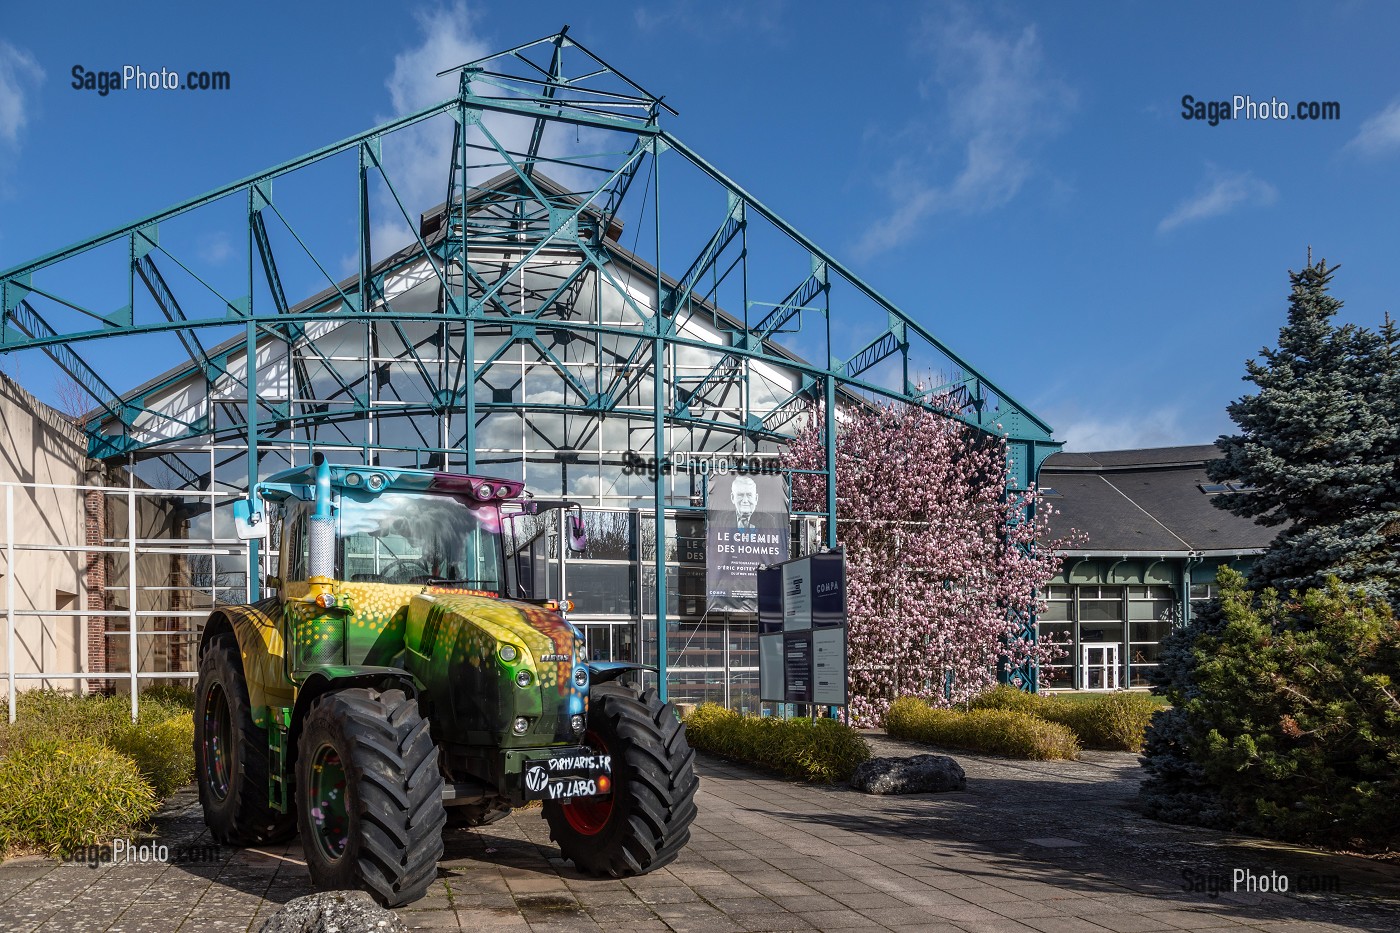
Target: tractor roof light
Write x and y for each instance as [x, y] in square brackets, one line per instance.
[326, 600]
[376, 482]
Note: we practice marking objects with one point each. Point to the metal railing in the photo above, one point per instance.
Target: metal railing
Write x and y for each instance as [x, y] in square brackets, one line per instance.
[142, 587]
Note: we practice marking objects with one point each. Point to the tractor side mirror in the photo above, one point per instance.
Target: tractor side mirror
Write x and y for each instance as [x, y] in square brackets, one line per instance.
[578, 535]
[249, 525]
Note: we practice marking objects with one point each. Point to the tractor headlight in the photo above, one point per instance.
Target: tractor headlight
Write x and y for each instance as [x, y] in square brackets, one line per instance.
[522, 679]
[581, 677]
[508, 653]
[576, 723]
[375, 482]
[522, 725]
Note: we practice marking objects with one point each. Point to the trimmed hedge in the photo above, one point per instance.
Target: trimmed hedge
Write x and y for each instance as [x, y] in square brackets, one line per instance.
[59, 796]
[1008, 732]
[1113, 721]
[824, 751]
[75, 770]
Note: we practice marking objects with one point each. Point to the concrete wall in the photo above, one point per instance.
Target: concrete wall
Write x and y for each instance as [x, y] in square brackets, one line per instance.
[39, 445]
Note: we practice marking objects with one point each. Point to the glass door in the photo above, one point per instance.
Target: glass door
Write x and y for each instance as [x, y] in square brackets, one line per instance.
[1099, 664]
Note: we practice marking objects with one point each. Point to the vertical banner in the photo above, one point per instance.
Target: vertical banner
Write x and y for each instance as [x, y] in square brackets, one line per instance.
[747, 526]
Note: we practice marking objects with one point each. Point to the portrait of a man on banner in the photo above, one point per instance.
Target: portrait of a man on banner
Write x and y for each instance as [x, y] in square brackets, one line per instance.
[747, 526]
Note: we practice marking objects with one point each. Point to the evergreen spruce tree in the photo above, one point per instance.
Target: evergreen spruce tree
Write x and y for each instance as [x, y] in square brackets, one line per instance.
[1319, 450]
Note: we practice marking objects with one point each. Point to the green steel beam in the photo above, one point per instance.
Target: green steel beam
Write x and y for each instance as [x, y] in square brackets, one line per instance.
[699, 162]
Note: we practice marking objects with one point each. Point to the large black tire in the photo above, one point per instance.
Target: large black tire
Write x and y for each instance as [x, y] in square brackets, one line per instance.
[646, 821]
[230, 754]
[369, 795]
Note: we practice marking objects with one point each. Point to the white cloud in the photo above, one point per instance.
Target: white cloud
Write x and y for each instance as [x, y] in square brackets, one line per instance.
[1160, 427]
[999, 102]
[215, 248]
[713, 21]
[19, 74]
[1220, 193]
[1380, 134]
[417, 159]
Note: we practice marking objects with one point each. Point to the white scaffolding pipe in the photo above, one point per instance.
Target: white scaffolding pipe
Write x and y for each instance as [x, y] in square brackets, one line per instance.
[10, 593]
[132, 653]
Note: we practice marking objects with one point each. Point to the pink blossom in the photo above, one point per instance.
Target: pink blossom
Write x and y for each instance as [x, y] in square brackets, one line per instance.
[942, 561]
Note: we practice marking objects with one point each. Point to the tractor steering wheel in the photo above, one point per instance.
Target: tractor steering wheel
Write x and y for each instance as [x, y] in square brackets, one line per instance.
[406, 570]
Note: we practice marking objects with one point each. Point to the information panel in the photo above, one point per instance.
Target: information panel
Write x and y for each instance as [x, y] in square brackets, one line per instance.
[802, 630]
[797, 666]
[829, 666]
[797, 595]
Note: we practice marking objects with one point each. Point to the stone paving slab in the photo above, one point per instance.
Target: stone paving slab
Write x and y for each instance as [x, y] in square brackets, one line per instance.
[1029, 847]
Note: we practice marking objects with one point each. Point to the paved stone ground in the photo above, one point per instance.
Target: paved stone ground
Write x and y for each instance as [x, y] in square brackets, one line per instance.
[1042, 847]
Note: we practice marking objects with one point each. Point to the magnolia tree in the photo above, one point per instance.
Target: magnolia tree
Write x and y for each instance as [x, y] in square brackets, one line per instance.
[941, 560]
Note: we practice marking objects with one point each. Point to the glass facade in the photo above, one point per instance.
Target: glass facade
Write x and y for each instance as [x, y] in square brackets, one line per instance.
[569, 412]
[1110, 633]
[1109, 617]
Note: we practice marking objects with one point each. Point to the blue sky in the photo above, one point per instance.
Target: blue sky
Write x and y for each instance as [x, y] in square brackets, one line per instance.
[1017, 176]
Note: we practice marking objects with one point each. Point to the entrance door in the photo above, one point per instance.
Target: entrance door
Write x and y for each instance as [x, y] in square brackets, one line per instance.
[1099, 663]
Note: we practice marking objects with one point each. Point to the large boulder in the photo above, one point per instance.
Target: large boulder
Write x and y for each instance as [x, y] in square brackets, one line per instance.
[334, 912]
[919, 774]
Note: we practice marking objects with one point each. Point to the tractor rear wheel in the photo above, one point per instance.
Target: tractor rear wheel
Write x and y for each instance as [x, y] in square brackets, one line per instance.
[230, 754]
[369, 795]
[645, 822]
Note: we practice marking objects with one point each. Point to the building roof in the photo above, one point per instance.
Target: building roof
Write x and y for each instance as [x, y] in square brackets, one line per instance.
[432, 230]
[1145, 501]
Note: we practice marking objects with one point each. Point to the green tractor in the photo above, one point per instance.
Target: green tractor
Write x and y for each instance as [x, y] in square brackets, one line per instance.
[394, 688]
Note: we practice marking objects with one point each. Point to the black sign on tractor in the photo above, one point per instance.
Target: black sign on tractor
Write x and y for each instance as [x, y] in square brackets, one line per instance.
[802, 630]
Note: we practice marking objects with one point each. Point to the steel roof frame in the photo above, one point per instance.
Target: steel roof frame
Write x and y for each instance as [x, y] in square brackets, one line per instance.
[553, 80]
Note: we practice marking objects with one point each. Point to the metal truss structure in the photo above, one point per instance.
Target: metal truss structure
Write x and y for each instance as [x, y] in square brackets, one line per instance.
[519, 308]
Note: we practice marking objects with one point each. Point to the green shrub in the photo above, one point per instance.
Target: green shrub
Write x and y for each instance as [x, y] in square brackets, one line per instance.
[171, 696]
[161, 743]
[1284, 720]
[163, 751]
[1011, 698]
[61, 795]
[62, 716]
[994, 731]
[823, 751]
[1115, 721]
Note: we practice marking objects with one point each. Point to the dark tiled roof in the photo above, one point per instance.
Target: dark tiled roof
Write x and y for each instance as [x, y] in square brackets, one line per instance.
[1194, 454]
[1145, 500]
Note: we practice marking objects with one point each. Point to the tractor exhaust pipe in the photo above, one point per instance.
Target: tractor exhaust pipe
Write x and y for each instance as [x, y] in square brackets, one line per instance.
[321, 550]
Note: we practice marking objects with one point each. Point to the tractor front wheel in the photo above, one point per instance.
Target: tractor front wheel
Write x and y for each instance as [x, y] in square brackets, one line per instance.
[645, 822]
[369, 795]
[230, 753]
